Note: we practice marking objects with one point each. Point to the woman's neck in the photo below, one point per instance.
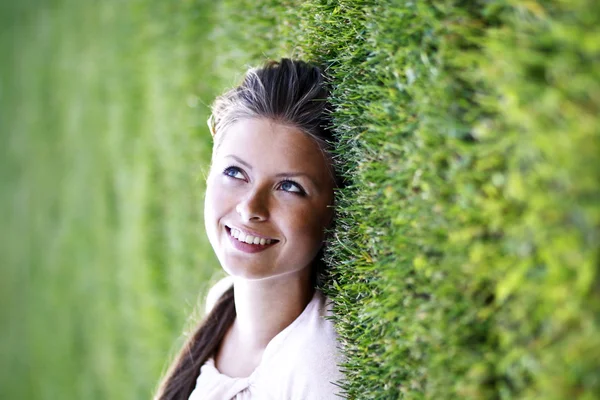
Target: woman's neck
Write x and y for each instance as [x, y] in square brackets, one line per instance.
[266, 307]
[263, 309]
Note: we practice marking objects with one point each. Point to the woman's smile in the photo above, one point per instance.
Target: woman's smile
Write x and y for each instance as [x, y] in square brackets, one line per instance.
[268, 199]
[249, 242]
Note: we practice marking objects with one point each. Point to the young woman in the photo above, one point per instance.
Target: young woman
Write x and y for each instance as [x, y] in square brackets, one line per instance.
[268, 204]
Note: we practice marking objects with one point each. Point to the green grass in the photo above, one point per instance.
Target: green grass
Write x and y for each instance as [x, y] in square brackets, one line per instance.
[465, 259]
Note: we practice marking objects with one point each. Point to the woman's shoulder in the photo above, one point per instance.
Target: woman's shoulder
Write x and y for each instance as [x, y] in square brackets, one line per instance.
[318, 326]
[308, 361]
[317, 338]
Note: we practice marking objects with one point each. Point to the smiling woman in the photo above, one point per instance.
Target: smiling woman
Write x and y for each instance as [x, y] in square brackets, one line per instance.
[269, 202]
[268, 181]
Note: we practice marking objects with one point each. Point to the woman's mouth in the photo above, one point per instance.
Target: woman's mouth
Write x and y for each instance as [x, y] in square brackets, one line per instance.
[247, 242]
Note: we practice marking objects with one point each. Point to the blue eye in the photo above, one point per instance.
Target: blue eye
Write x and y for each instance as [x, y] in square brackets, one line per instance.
[292, 187]
[233, 172]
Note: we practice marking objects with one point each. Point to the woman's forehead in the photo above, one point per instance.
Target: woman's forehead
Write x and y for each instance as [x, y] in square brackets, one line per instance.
[267, 143]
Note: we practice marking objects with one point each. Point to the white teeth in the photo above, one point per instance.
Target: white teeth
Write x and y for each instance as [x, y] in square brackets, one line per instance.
[242, 237]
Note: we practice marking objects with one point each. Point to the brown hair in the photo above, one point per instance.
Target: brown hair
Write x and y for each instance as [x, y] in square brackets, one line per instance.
[289, 92]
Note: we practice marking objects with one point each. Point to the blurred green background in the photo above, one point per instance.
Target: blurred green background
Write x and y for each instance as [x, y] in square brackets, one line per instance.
[103, 151]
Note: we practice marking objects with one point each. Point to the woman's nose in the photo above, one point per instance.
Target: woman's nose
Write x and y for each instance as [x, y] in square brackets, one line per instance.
[253, 207]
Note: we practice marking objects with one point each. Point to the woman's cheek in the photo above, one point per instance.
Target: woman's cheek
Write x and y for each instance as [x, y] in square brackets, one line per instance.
[311, 219]
[216, 190]
[214, 202]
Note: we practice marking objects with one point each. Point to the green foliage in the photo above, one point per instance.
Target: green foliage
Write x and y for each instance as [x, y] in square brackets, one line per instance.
[466, 252]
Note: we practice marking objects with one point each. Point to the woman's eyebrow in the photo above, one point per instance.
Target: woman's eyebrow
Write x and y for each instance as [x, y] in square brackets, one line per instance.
[240, 161]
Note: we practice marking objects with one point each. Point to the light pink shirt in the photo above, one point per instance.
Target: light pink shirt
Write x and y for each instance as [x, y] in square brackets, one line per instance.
[301, 362]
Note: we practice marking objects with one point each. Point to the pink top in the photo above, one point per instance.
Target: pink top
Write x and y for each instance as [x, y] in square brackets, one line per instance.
[298, 363]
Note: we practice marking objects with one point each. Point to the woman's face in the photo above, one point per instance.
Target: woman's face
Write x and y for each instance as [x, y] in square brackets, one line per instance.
[270, 185]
